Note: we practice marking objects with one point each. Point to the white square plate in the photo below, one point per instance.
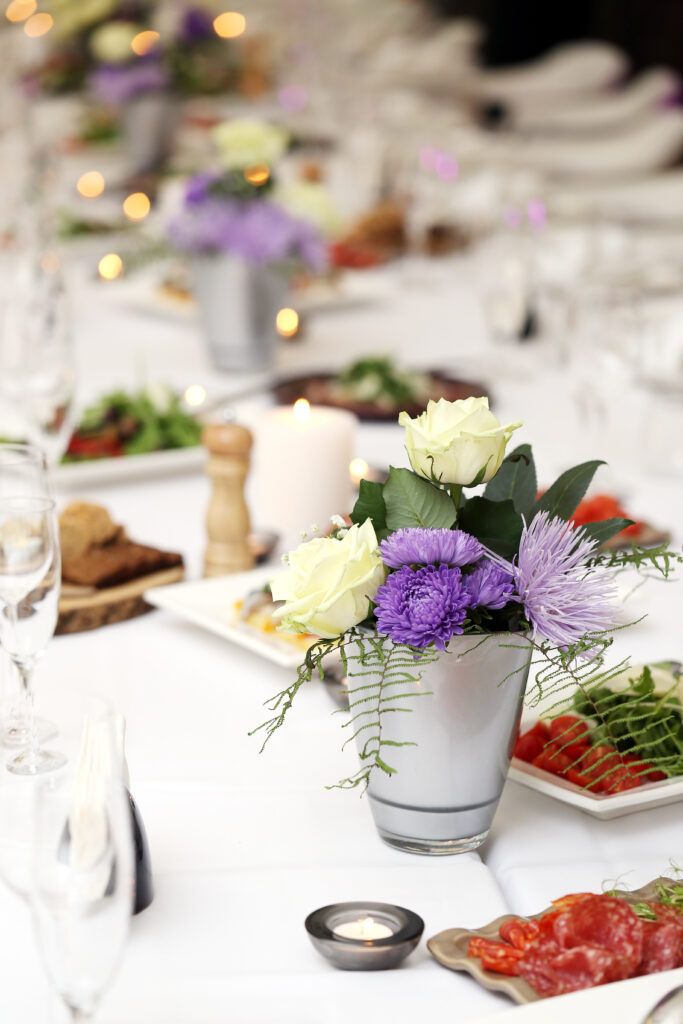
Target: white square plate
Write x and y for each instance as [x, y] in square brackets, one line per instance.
[210, 603]
[91, 472]
[605, 806]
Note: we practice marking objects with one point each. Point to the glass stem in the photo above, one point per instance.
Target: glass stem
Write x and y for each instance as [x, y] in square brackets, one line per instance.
[25, 674]
[80, 1016]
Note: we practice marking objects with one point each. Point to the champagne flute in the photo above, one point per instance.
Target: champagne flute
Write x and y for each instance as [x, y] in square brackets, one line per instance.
[37, 364]
[30, 578]
[83, 884]
[23, 474]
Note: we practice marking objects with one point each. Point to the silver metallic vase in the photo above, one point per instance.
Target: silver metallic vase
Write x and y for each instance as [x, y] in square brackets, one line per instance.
[446, 789]
[148, 124]
[238, 304]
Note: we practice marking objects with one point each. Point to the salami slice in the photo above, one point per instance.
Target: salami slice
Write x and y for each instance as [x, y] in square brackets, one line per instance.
[605, 922]
[662, 946]
[552, 971]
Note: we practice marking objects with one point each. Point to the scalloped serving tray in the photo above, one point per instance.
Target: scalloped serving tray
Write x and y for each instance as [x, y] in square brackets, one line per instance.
[449, 948]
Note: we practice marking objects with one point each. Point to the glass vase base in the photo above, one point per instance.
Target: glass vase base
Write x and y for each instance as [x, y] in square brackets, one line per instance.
[36, 762]
[430, 831]
[433, 847]
[15, 731]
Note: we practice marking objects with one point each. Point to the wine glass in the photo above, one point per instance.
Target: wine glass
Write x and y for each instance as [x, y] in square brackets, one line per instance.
[83, 884]
[30, 578]
[23, 474]
[36, 358]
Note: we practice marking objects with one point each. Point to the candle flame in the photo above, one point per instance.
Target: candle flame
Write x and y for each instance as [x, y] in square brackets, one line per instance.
[91, 184]
[302, 410]
[195, 395]
[144, 42]
[110, 266]
[358, 470]
[229, 24]
[287, 322]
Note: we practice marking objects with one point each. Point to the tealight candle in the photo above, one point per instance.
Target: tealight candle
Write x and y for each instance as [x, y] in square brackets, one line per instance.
[301, 469]
[364, 936]
[364, 928]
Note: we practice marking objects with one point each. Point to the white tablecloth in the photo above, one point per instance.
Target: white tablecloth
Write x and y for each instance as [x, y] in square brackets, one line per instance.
[245, 846]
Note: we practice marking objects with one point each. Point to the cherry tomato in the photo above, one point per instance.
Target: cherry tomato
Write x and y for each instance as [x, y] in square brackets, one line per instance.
[568, 729]
[529, 746]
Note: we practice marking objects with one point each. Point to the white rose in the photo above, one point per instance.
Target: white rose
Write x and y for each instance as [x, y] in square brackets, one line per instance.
[244, 143]
[328, 584]
[311, 201]
[111, 42]
[456, 442]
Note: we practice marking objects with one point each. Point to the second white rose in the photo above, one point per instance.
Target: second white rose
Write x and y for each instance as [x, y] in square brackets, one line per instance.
[456, 442]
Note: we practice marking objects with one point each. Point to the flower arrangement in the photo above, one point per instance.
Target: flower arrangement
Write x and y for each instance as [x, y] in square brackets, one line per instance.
[143, 54]
[237, 210]
[422, 564]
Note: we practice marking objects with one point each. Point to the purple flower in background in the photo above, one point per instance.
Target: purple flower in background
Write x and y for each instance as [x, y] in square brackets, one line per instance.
[420, 546]
[489, 586]
[199, 186]
[563, 598]
[196, 25]
[118, 83]
[257, 231]
[422, 607]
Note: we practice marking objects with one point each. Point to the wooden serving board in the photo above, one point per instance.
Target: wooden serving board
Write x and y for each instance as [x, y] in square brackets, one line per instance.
[449, 948]
[84, 608]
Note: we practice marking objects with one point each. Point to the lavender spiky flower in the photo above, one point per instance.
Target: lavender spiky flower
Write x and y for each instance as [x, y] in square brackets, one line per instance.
[490, 586]
[563, 598]
[420, 546]
[423, 606]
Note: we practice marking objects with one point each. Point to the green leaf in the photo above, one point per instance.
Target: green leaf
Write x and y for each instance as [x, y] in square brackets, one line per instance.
[606, 528]
[516, 479]
[497, 524]
[370, 505]
[565, 494]
[412, 501]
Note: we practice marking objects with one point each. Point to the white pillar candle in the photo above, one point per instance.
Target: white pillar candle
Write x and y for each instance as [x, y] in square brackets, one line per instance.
[301, 469]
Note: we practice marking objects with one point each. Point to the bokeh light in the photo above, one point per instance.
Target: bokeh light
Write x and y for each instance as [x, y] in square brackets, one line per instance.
[145, 41]
[38, 25]
[195, 395]
[301, 409]
[230, 24]
[258, 174]
[91, 184]
[136, 206]
[110, 266]
[292, 98]
[20, 10]
[358, 470]
[287, 322]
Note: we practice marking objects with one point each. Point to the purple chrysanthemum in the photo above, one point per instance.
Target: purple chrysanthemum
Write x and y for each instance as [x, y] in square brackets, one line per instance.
[119, 83]
[422, 607]
[420, 546]
[258, 231]
[489, 586]
[196, 25]
[563, 598]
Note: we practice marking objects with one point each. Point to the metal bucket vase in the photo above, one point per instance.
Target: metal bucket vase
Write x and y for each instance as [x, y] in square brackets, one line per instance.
[238, 304]
[148, 123]
[446, 789]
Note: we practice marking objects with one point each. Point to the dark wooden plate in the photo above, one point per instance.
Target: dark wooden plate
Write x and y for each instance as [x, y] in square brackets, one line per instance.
[449, 948]
[315, 387]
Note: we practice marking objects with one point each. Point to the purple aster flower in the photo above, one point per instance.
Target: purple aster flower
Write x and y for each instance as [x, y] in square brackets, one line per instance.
[422, 607]
[258, 231]
[563, 598]
[119, 83]
[420, 546]
[199, 186]
[489, 586]
[196, 25]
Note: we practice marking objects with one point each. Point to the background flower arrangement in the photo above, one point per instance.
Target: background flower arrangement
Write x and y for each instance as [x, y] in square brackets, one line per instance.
[239, 208]
[422, 564]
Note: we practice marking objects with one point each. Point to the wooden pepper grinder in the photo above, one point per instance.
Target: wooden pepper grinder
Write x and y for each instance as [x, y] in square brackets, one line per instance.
[227, 518]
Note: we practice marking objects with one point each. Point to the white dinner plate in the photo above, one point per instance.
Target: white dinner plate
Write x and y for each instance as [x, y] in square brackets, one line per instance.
[210, 604]
[616, 805]
[71, 475]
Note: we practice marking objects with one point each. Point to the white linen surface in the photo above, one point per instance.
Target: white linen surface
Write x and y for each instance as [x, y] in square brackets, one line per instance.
[245, 846]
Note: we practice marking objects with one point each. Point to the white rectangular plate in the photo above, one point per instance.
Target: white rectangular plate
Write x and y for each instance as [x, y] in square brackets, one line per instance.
[209, 604]
[72, 475]
[655, 794]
